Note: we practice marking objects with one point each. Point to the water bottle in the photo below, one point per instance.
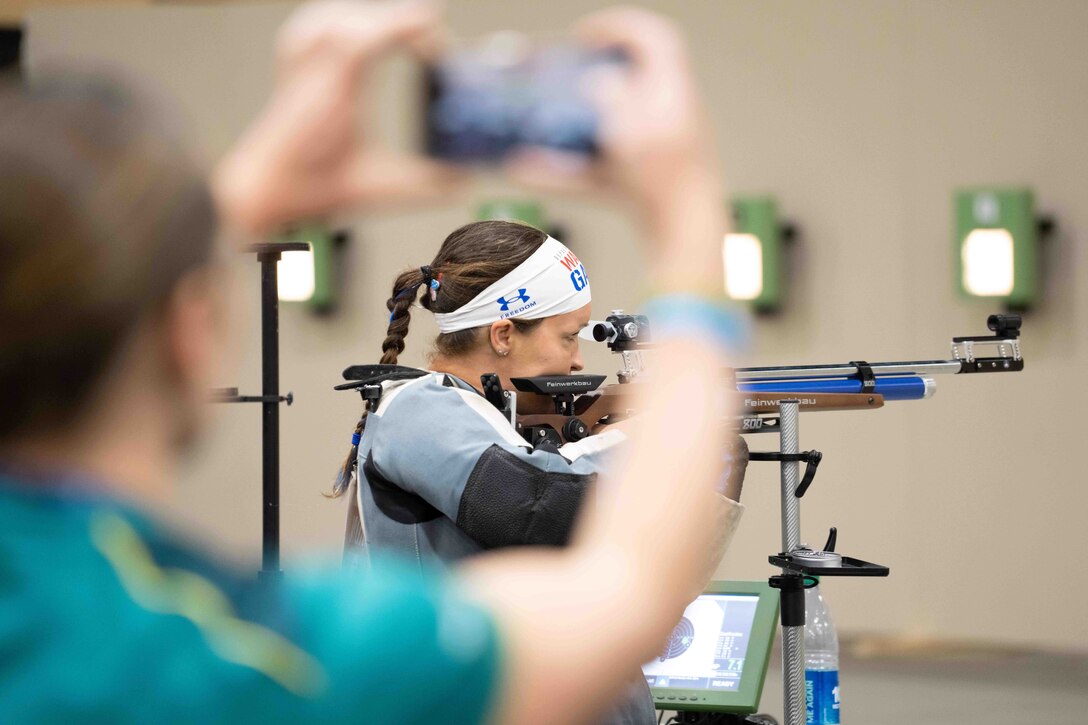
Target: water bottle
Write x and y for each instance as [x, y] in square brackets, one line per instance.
[821, 662]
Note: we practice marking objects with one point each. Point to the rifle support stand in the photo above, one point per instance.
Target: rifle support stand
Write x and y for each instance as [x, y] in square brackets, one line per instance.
[799, 564]
[268, 255]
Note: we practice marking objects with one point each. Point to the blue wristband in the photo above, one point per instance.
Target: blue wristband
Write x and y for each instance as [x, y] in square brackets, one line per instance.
[689, 315]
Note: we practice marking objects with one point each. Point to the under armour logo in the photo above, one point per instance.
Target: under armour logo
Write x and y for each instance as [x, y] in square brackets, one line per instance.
[504, 304]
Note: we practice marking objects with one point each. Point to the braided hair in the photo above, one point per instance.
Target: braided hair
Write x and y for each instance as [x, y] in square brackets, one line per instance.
[405, 289]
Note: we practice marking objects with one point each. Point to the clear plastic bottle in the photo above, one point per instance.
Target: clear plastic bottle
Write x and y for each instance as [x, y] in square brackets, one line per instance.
[821, 662]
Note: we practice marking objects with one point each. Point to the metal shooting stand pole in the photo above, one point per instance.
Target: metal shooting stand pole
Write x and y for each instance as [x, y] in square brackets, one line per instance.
[269, 256]
[790, 583]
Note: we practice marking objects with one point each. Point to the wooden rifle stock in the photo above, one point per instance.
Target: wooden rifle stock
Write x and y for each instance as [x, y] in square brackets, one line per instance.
[756, 403]
[596, 410]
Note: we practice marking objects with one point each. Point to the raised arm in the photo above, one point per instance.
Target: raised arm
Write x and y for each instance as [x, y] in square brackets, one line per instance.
[311, 151]
[576, 623]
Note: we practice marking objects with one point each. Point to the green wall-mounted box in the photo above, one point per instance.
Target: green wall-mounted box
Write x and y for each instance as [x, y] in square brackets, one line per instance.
[324, 249]
[757, 216]
[996, 250]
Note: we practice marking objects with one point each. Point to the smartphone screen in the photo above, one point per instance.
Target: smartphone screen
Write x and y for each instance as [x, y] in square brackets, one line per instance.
[505, 93]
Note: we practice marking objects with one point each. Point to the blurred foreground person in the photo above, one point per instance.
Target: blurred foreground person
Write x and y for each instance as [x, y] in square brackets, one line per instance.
[111, 322]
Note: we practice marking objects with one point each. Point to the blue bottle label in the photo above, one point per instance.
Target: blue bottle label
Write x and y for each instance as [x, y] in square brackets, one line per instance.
[822, 697]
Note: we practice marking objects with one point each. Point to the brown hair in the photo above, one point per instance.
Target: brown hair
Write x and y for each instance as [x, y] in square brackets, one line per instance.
[102, 214]
[470, 260]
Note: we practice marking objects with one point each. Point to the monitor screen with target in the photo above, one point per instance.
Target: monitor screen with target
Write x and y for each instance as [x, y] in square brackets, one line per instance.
[716, 657]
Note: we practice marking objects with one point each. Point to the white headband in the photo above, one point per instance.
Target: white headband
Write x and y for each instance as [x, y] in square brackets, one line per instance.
[550, 282]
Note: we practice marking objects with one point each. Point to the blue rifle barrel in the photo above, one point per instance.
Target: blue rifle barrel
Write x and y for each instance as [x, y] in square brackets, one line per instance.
[908, 387]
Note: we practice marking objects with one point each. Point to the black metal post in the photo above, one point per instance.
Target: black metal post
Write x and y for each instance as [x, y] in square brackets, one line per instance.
[269, 256]
[270, 414]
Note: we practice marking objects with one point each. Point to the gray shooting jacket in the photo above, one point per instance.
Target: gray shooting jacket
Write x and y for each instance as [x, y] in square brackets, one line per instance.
[442, 475]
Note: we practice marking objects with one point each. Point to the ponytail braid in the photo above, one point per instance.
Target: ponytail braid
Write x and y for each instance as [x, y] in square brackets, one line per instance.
[404, 294]
[399, 305]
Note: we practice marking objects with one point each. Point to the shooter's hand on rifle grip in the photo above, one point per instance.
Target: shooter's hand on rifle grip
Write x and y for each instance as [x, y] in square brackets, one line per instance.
[736, 465]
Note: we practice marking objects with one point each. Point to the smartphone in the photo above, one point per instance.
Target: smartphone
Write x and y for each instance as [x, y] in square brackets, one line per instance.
[504, 92]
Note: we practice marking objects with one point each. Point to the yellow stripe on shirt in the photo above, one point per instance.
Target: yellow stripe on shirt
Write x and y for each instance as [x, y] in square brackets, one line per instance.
[185, 594]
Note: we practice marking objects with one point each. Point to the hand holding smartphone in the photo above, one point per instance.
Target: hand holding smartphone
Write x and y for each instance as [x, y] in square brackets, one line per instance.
[504, 93]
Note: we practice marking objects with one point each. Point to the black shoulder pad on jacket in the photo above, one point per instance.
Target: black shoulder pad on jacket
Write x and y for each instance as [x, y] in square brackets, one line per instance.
[402, 506]
[509, 502]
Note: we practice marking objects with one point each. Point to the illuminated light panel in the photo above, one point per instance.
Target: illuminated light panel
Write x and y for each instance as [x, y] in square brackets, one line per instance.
[988, 268]
[743, 258]
[296, 276]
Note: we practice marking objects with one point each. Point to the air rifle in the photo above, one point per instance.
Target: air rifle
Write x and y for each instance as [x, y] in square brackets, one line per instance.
[582, 407]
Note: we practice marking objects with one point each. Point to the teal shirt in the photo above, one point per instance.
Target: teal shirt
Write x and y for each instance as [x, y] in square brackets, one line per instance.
[105, 617]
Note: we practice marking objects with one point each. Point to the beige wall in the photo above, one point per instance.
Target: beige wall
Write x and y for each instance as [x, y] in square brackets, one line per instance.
[860, 117]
